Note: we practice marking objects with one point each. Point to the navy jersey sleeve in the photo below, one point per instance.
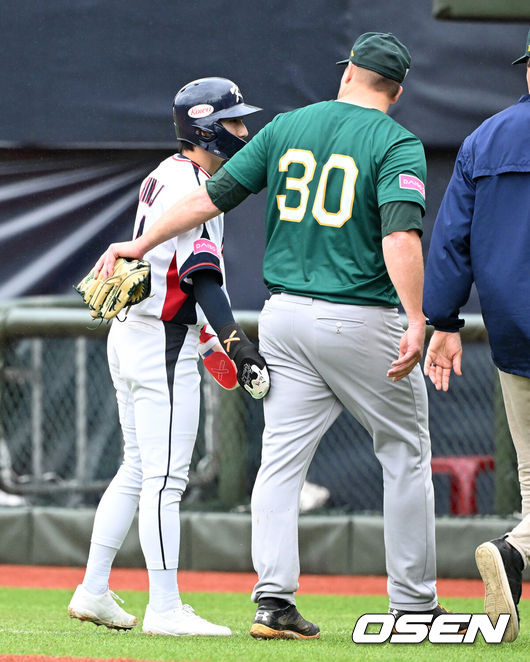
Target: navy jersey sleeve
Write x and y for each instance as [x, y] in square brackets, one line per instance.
[199, 253]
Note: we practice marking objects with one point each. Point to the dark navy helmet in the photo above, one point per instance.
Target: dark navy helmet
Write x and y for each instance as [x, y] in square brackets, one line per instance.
[198, 109]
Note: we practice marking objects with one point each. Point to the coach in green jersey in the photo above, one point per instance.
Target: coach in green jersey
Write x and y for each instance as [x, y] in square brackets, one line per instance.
[332, 172]
[346, 191]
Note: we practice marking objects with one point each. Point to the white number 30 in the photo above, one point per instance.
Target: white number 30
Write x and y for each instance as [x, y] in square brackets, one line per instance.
[320, 213]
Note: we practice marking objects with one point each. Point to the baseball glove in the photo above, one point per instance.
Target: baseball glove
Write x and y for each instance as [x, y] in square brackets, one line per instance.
[130, 283]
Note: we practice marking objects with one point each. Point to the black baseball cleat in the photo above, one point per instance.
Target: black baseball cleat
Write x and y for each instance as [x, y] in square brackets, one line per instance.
[281, 622]
[501, 568]
[436, 611]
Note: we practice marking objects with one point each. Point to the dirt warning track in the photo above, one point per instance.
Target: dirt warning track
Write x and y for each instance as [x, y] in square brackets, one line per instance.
[128, 579]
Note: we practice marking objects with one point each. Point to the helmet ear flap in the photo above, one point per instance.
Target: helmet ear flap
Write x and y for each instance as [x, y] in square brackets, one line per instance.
[206, 135]
[226, 144]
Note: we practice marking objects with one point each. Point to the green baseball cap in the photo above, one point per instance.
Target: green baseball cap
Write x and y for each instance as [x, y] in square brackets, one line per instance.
[524, 58]
[381, 52]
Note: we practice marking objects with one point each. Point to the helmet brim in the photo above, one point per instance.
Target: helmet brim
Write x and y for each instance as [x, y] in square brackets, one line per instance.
[239, 110]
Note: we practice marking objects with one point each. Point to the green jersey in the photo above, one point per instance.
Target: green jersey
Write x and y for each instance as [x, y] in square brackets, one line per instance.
[328, 169]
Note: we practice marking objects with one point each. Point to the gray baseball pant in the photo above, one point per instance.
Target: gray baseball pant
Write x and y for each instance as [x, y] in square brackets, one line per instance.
[324, 357]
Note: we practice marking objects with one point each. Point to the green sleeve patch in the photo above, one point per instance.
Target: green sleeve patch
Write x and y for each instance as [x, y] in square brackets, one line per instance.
[225, 191]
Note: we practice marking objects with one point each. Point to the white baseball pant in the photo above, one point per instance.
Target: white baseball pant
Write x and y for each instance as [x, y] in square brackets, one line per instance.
[154, 370]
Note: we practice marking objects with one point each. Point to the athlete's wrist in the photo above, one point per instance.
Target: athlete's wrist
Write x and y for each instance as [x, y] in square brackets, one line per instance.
[416, 320]
[233, 339]
[141, 245]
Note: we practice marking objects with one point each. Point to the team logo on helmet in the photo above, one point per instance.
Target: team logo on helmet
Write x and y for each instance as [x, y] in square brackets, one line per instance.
[201, 110]
[235, 91]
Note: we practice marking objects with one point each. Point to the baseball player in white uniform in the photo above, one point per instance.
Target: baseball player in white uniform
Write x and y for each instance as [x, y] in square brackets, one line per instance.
[153, 362]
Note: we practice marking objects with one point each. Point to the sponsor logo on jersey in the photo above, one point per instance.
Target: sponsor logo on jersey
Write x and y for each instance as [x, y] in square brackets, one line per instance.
[411, 182]
[200, 110]
[205, 246]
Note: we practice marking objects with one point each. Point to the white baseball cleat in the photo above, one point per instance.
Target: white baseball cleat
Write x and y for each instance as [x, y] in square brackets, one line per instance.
[179, 622]
[100, 609]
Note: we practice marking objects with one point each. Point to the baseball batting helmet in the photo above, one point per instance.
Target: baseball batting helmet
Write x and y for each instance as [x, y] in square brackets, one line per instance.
[198, 109]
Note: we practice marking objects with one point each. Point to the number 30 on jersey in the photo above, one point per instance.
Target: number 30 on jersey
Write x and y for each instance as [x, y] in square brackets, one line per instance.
[301, 185]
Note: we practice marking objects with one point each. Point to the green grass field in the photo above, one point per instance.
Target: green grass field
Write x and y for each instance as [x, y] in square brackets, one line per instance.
[35, 622]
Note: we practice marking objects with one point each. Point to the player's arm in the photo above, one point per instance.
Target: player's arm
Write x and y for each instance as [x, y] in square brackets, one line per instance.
[252, 371]
[188, 212]
[449, 274]
[221, 193]
[403, 257]
[243, 174]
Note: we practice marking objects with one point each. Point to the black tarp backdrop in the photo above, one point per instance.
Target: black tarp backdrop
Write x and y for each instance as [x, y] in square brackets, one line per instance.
[86, 108]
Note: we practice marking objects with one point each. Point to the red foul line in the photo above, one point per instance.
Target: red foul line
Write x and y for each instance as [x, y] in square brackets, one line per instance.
[52, 658]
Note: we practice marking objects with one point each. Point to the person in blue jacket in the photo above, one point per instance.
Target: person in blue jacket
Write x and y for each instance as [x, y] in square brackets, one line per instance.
[482, 235]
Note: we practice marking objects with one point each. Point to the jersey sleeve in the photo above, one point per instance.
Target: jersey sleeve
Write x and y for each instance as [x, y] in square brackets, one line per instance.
[249, 165]
[448, 273]
[196, 251]
[200, 248]
[400, 216]
[225, 191]
[403, 173]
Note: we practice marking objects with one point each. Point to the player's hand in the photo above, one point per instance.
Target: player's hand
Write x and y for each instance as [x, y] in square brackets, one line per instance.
[252, 371]
[410, 351]
[444, 352]
[105, 264]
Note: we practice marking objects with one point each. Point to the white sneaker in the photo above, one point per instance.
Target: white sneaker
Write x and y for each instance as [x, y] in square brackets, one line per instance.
[180, 622]
[100, 609]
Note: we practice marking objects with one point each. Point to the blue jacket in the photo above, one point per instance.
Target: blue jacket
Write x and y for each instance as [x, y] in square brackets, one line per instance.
[482, 234]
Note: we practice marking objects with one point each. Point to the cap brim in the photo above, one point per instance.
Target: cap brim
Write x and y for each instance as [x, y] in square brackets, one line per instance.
[343, 61]
[521, 60]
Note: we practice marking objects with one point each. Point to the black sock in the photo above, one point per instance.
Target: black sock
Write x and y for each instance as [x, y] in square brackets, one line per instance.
[273, 603]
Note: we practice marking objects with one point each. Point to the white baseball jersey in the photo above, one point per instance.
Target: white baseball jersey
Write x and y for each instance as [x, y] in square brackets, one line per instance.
[174, 261]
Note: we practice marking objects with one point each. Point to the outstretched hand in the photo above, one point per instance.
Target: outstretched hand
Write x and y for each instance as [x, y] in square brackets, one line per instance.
[105, 264]
[443, 354]
[410, 352]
